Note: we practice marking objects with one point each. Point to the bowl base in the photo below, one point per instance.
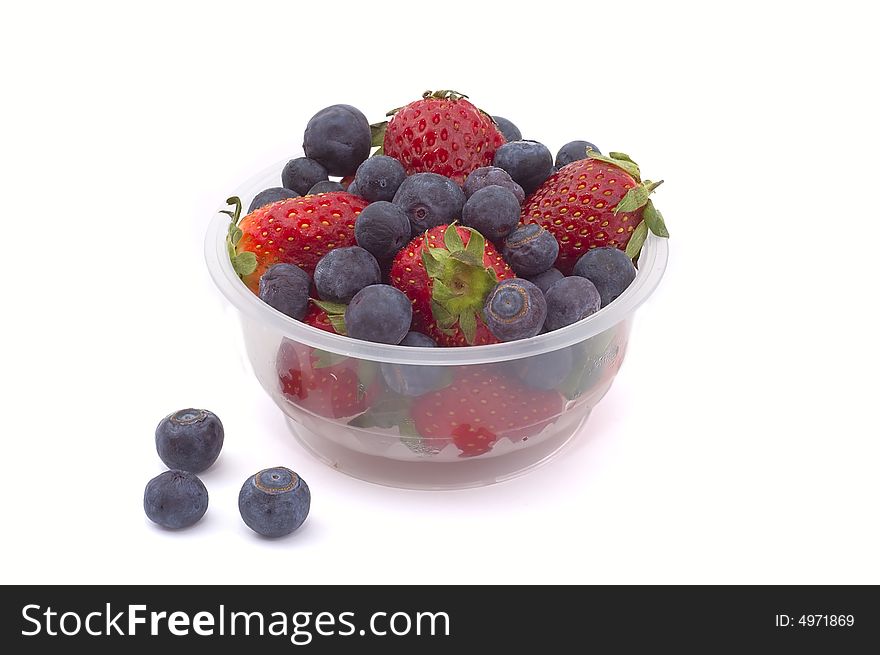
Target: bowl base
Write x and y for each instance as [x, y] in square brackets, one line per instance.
[464, 474]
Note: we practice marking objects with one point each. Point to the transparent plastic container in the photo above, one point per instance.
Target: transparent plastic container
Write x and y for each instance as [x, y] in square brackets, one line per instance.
[333, 392]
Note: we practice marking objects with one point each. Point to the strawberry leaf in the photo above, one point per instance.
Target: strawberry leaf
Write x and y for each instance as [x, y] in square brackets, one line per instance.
[244, 263]
[650, 186]
[445, 319]
[634, 198]
[366, 372]
[467, 321]
[330, 307]
[654, 220]
[452, 239]
[475, 248]
[637, 240]
[628, 166]
[325, 359]
[442, 293]
[433, 266]
[377, 133]
[335, 314]
[621, 156]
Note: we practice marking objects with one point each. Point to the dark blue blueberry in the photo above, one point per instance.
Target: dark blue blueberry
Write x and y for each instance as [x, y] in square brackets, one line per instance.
[175, 499]
[570, 300]
[530, 249]
[268, 196]
[286, 288]
[301, 174]
[492, 175]
[545, 371]
[528, 162]
[339, 138]
[609, 269]
[379, 177]
[574, 151]
[493, 211]
[509, 130]
[189, 439]
[382, 229]
[413, 379]
[353, 189]
[274, 502]
[515, 309]
[342, 272]
[378, 313]
[325, 186]
[429, 200]
[544, 280]
[418, 340]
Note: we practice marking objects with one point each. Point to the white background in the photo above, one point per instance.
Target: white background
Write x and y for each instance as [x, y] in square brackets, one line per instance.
[740, 441]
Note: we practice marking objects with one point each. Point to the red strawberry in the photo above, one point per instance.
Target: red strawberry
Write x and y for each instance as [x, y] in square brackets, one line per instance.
[296, 231]
[324, 383]
[441, 133]
[594, 202]
[447, 281]
[318, 318]
[481, 406]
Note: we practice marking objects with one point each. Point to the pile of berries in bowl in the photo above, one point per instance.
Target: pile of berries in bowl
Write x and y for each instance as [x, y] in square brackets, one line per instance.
[432, 301]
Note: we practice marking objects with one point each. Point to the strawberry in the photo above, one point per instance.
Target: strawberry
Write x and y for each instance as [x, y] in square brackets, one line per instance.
[481, 406]
[594, 202]
[447, 273]
[295, 231]
[440, 133]
[323, 383]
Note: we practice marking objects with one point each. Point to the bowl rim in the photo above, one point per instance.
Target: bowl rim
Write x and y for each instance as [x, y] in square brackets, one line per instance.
[652, 265]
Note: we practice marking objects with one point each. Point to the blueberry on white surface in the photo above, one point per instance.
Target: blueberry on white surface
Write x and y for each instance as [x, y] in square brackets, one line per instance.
[189, 439]
[175, 499]
[274, 502]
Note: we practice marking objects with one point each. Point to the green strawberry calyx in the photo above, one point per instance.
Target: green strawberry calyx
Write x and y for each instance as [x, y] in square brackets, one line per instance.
[636, 198]
[335, 313]
[460, 281]
[244, 263]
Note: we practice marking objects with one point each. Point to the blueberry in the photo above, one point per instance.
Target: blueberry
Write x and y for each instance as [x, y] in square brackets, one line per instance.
[545, 279]
[574, 151]
[382, 229]
[189, 439]
[339, 138]
[274, 502]
[428, 200]
[378, 313]
[609, 269]
[418, 340]
[509, 130]
[530, 250]
[268, 196]
[528, 162]
[301, 174]
[342, 272]
[515, 309]
[570, 300]
[545, 371]
[489, 175]
[286, 288]
[353, 189]
[493, 211]
[175, 499]
[412, 379]
[379, 177]
[325, 186]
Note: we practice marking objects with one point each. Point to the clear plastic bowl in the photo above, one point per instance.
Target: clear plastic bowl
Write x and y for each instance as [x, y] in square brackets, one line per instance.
[310, 374]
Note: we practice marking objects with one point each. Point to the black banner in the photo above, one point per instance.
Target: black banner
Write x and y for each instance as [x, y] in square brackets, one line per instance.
[434, 619]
